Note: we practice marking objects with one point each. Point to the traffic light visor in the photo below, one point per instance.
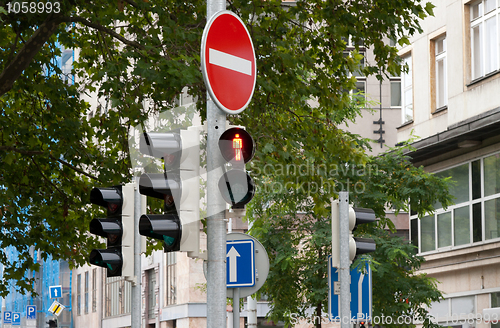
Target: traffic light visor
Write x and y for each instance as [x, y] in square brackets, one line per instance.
[107, 258]
[165, 227]
[111, 198]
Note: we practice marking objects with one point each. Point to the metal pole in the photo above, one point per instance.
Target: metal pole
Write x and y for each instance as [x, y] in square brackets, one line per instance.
[216, 227]
[344, 272]
[236, 308]
[135, 315]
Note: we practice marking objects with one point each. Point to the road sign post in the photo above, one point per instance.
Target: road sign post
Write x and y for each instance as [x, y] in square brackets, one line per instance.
[230, 77]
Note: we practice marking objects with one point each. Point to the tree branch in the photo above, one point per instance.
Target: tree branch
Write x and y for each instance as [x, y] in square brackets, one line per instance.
[24, 57]
[105, 29]
[39, 152]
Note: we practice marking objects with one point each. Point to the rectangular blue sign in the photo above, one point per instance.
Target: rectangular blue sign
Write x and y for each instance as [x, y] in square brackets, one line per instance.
[31, 312]
[55, 291]
[16, 318]
[361, 294]
[7, 317]
[240, 264]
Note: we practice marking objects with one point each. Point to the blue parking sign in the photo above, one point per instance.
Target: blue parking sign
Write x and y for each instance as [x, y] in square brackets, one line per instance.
[7, 317]
[31, 312]
[16, 318]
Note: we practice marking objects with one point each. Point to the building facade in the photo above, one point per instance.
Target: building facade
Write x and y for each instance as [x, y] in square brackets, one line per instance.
[451, 100]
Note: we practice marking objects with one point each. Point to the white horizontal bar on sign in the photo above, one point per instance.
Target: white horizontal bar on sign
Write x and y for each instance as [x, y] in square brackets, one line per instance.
[229, 61]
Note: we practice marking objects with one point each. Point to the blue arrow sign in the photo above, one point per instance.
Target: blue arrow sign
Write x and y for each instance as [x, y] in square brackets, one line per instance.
[55, 291]
[361, 294]
[7, 317]
[16, 318]
[240, 264]
[31, 312]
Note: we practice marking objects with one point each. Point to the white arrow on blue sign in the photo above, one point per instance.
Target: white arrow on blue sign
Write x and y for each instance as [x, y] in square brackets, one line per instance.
[16, 318]
[361, 294]
[7, 317]
[31, 312]
[55, 291]
[240, 265]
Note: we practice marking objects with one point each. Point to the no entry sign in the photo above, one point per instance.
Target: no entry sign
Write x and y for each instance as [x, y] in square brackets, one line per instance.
[228, 62]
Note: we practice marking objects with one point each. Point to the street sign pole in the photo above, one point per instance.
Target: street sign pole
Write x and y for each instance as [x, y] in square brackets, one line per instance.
[344, 271]
[236, 308]
[216, 206]
[135, 314]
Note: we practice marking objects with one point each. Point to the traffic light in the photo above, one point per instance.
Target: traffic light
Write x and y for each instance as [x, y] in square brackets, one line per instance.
[179, 187]
[52, 323]
[362, 324]
[357, 246]
[237, 148]
[117, 228]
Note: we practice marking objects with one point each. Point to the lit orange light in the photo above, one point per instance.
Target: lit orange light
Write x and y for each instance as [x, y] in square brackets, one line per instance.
[237, 146]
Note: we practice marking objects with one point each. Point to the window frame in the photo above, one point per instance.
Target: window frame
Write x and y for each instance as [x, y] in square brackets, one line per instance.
[480, 22]
[479, 202]
[407, 60]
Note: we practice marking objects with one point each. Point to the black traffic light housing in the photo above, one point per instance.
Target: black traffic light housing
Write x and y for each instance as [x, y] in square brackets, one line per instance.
[358, 246]
[52, 323]
[117, 228]
[237, 148]
[179, 227]
[110, 228]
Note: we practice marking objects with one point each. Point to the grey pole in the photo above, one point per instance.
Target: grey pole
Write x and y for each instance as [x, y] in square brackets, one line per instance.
[344, 272]
[216, 226]
[236, 308]
[135, 315]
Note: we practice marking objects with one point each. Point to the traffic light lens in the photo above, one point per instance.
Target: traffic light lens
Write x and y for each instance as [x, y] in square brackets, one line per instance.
[112, 208]
[237, 146]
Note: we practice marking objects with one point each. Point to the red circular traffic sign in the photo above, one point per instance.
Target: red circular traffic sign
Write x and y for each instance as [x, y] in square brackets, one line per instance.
[228, 62]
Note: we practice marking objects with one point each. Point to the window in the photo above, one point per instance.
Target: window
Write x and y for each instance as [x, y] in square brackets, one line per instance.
[118, 295]
[94, 290]
[170, 278]
[86, 291]
[484, 16]
[438, 73]
[78, 294]
[407, 92]
[151, 297]
[358, 93]
[475, 216]
[454, 309]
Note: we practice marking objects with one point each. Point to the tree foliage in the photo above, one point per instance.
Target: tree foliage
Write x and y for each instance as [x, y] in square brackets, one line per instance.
[296, 231]
[133, 59]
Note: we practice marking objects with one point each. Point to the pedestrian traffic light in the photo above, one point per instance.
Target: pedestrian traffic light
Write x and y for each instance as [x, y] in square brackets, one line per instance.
[237, 148]
[358, 246]
[117, 228]
[179, 187]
